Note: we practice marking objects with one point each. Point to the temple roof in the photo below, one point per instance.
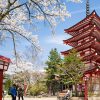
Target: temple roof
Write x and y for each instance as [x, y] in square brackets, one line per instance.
[91, 70]
[96, 34]
[81, 47]
[79, 36]
[2, 58]
[90, 44]
[88, 57]
[85, 37]
[92, 56]
[96, 46]
[93, 17]
[94, 31]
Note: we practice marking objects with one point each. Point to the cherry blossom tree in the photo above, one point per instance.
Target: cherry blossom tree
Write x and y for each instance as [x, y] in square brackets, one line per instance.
[16, 15]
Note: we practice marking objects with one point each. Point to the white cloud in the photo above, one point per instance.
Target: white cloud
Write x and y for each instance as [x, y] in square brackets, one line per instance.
[57, 39]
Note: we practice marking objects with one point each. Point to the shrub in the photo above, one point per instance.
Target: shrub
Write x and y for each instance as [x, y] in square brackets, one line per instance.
[37, 89]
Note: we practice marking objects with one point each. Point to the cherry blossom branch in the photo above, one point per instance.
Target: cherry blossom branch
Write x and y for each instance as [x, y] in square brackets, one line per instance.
[14, 44]
[2, 16]
[10, 30]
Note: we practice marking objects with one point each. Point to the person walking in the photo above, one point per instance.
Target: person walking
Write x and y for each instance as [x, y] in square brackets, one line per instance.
[13, 92]
[20, 93]
[67, 95]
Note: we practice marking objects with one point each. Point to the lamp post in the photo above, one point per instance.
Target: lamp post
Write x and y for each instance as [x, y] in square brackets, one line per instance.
[4, 64]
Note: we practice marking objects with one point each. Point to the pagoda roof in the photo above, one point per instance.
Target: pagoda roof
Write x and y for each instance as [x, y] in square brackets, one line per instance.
[91, 70]
[85, 45]
[96, 46]
[89, 44]
[96, 21]
[94, 32]
[96, 58]
[79, 36]
[93, 56]
[5, 59]
[80, 47]
[86, 21]
[88, 57]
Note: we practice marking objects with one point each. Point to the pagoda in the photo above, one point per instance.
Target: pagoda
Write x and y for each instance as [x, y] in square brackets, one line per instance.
[86, 41]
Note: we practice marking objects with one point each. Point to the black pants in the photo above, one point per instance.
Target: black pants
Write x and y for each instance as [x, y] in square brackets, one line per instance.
[13, 97]
[20, 97]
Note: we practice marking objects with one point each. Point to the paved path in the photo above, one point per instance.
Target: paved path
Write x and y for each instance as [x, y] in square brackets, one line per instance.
[48, 98]
[54, 98]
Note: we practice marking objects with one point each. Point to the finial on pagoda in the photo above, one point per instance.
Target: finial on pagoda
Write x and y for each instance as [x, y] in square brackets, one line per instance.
[87, 8]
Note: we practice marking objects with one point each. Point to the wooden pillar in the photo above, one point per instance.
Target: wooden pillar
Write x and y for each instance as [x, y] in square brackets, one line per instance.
[86, 90]
[99, 82]
[1, 84]
[90, 84]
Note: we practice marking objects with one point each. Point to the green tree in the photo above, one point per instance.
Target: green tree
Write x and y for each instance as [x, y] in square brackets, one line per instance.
[71, 68]
[7, 81]
[53, 60]
[7, 84]
[38, 86]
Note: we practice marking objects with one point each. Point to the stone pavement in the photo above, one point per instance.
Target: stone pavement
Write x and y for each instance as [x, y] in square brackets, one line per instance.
[45, 98]
[55, 98]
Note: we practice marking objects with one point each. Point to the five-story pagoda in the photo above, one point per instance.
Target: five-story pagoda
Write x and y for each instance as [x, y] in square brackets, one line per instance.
[86, 40]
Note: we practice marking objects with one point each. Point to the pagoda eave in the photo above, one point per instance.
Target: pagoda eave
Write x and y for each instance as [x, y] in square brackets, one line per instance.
[96, 46]
[5, 59]
[64, 53]
[85, 21]
[76, 32]
[92, 70]
[96, 34]
[79, 36]
[93, 57]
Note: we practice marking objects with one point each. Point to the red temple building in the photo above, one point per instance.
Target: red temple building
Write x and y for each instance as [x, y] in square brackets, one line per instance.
[86, 41]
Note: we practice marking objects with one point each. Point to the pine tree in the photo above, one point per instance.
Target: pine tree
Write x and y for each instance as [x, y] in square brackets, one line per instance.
[53, 60]
[71, 69]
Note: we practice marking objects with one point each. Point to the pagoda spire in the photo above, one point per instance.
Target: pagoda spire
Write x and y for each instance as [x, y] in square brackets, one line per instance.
[87, 8]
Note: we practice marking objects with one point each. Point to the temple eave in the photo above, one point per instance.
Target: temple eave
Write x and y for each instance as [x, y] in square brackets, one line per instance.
[85, 21]
[92, 44]
[91, 32]
[95, 58]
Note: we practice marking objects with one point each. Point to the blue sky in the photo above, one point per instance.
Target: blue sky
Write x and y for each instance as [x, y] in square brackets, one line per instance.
[47, 41]
[78, 12]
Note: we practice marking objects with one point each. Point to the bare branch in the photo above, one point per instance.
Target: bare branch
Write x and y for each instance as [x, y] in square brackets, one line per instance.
[29, 13]
[9, 10]
[10, 30]
[14, 43]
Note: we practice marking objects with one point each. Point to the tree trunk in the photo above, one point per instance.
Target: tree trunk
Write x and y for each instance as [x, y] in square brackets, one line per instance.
[76, 93]
[49, 90]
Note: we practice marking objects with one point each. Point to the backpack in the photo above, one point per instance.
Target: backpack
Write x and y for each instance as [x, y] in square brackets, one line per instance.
[9, 91]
